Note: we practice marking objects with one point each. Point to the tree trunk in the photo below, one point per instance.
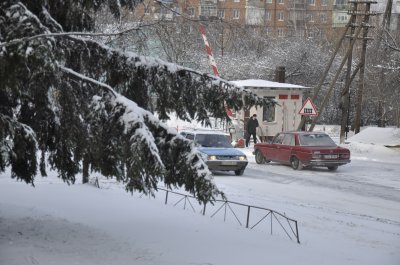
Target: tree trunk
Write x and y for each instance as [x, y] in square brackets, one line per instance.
[85, 170]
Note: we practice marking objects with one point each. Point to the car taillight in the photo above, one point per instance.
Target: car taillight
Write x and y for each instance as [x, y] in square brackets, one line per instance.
[344, 156]
[316, 155]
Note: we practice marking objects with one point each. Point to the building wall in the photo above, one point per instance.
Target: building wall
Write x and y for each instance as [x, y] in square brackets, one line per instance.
[280, 18]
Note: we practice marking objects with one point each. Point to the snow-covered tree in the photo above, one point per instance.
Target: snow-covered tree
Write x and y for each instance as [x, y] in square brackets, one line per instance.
[81, 106]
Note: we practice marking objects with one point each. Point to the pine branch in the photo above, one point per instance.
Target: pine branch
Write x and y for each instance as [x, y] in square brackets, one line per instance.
[86, 78]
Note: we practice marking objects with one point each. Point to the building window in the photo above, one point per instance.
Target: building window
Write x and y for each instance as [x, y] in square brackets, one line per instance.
[342, 18]
[191, 11]
[281, 16]
[311, 17]
[323, 17]
[221, 13]
[236, 1]
[268, 16]
[281, 2]
[209, 11]
[311, 2]
[269, 111]
[324, 2]
[236, 14]
[281, 32]
[269, 1]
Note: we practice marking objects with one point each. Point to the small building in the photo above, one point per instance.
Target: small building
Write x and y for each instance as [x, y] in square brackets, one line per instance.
[273, 119]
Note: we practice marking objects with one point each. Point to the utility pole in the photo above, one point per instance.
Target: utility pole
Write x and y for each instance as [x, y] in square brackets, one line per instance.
[360, 8]
[381, 83]
[365, 25]
[345, 95]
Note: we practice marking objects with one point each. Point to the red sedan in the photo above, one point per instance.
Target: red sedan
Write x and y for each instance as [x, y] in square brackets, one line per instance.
[302, 149]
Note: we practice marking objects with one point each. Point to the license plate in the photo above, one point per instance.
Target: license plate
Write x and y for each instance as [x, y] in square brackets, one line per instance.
[228, 163]
[330, 156]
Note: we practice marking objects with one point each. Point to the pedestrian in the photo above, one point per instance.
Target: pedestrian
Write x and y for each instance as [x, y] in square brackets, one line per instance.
[252, 125]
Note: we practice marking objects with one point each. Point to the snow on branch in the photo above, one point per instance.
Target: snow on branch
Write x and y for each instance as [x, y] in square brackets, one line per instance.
[133, 114]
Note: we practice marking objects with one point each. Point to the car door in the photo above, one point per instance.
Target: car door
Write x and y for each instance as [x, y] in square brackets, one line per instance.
[273, 149]
[284, 150]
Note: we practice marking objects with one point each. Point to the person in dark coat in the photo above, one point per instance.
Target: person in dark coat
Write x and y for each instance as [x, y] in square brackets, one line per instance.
[252, 125]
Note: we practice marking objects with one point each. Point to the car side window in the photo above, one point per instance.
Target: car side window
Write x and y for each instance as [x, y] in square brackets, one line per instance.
[278, 139]
[288, 140]
[190, 136]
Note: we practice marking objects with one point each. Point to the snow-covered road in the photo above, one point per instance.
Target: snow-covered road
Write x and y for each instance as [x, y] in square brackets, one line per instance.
[360, 202]
[365, 178]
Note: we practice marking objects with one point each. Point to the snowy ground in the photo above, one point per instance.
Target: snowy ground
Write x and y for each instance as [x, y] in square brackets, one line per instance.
[351, 216]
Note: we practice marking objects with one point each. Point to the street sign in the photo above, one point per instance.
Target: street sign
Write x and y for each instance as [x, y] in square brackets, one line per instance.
[308, 108]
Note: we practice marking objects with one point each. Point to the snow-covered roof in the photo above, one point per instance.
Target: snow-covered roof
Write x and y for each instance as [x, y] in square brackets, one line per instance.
[265, 84]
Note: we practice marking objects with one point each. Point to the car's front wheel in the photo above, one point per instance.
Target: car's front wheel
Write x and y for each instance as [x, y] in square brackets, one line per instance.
[259, 157]
[239, 172]
[296, 164]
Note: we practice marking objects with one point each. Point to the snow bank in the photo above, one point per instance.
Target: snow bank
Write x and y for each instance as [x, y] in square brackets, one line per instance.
[377, 136]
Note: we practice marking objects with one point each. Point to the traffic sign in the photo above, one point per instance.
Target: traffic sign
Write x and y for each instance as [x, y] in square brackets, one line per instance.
[308, 108]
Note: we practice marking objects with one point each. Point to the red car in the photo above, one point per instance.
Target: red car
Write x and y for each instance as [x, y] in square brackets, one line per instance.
[302, 149]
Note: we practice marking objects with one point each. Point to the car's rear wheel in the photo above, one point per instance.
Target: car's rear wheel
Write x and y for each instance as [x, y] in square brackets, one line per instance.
[333, 168]
[239, 172]
[296, 164]
[259, 157]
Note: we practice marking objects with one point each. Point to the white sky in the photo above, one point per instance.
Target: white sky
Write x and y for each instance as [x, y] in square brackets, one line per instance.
[351, 216]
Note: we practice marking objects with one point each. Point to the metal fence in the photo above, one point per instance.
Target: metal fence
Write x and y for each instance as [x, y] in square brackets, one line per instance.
[246, 215]
[249, 216]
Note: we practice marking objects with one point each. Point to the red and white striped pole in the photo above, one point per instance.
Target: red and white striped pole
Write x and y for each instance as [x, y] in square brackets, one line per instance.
[209, 52]
[212, 62]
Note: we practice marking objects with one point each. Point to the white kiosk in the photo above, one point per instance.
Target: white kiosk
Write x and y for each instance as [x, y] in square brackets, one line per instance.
[282, 117]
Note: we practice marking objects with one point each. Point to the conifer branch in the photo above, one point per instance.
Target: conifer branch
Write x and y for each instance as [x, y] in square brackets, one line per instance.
[86, 78]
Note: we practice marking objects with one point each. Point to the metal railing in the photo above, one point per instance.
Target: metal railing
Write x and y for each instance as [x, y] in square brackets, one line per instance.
[250, 216]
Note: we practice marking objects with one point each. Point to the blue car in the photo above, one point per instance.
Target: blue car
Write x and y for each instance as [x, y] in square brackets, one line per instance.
[217, 150]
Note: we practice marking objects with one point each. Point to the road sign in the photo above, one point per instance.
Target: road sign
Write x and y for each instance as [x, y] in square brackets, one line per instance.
[308, 108]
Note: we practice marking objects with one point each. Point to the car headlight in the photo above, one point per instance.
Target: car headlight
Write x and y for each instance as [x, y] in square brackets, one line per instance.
[212, 158]
[203, 156]
[242, 158]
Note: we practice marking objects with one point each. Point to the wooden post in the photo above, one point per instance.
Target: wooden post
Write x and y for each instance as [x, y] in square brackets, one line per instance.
[345, 96]
[360, 90]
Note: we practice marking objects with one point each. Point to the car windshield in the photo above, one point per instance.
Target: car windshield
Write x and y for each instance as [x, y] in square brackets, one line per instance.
[213, 140]
[316, 140]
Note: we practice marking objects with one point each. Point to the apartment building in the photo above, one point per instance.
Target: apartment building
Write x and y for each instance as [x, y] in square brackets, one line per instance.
[228, 10]
[279, 18]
